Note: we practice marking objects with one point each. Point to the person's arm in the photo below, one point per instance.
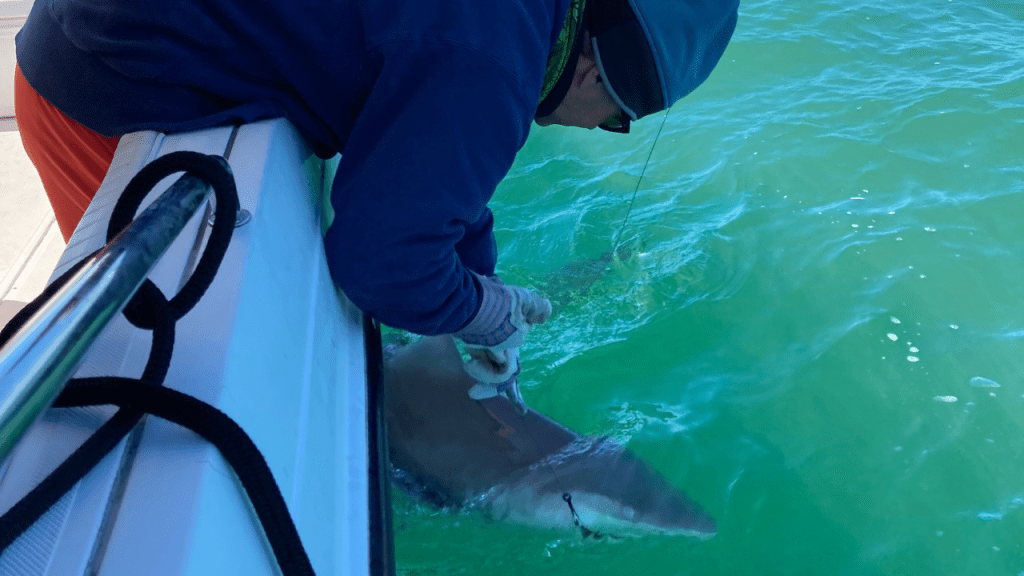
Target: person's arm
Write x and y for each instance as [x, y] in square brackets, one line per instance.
[439, 130]
[477, 250]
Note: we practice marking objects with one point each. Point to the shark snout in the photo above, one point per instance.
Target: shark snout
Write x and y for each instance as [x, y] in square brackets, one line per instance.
[611, 491]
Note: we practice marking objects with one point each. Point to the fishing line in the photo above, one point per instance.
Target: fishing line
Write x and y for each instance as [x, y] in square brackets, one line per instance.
[615, 245]
[566, 495]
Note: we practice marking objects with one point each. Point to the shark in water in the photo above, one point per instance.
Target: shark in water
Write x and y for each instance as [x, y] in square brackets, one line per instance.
[451, 450]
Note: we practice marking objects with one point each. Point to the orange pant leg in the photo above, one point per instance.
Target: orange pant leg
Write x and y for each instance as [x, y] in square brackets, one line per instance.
[70, 158]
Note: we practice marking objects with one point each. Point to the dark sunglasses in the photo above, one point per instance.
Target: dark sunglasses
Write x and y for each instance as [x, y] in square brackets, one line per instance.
[618, 122]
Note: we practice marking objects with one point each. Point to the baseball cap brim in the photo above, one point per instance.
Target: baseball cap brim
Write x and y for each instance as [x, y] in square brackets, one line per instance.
[624, 58]
[651, 53]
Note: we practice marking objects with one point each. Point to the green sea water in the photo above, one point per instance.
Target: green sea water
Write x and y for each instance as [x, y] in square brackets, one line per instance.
[814, 322]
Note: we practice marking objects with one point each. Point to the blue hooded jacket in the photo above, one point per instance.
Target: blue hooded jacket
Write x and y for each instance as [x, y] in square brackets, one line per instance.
[427, 100]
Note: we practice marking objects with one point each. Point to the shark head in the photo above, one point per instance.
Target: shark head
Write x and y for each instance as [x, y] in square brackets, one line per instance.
[609, 488]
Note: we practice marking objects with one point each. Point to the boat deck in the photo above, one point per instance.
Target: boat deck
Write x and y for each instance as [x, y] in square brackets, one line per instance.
[30, 242]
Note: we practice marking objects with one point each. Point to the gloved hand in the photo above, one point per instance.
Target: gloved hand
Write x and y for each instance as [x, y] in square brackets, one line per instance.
[494, 335]
[509, 389]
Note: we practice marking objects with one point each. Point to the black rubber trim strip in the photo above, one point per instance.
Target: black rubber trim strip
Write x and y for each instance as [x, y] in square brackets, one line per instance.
[382, 544]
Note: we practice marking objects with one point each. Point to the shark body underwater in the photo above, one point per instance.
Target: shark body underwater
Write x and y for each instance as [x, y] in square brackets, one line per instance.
[449, 450]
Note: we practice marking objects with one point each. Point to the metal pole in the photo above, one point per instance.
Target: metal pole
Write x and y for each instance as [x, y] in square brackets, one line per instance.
[44, 354]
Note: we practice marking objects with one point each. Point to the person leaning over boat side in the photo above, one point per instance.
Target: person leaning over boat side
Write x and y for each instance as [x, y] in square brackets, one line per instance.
[428, 102]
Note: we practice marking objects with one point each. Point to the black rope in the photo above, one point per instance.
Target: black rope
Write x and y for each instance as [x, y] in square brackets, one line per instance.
[27, 511]
[150, 309]
[221, 431]
[212, 169]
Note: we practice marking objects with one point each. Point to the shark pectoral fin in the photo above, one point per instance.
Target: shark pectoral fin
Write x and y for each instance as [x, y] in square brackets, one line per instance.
[504, 430]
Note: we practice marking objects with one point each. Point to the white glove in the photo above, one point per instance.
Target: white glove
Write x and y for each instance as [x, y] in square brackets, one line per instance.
[494, 335]
[509, 389]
